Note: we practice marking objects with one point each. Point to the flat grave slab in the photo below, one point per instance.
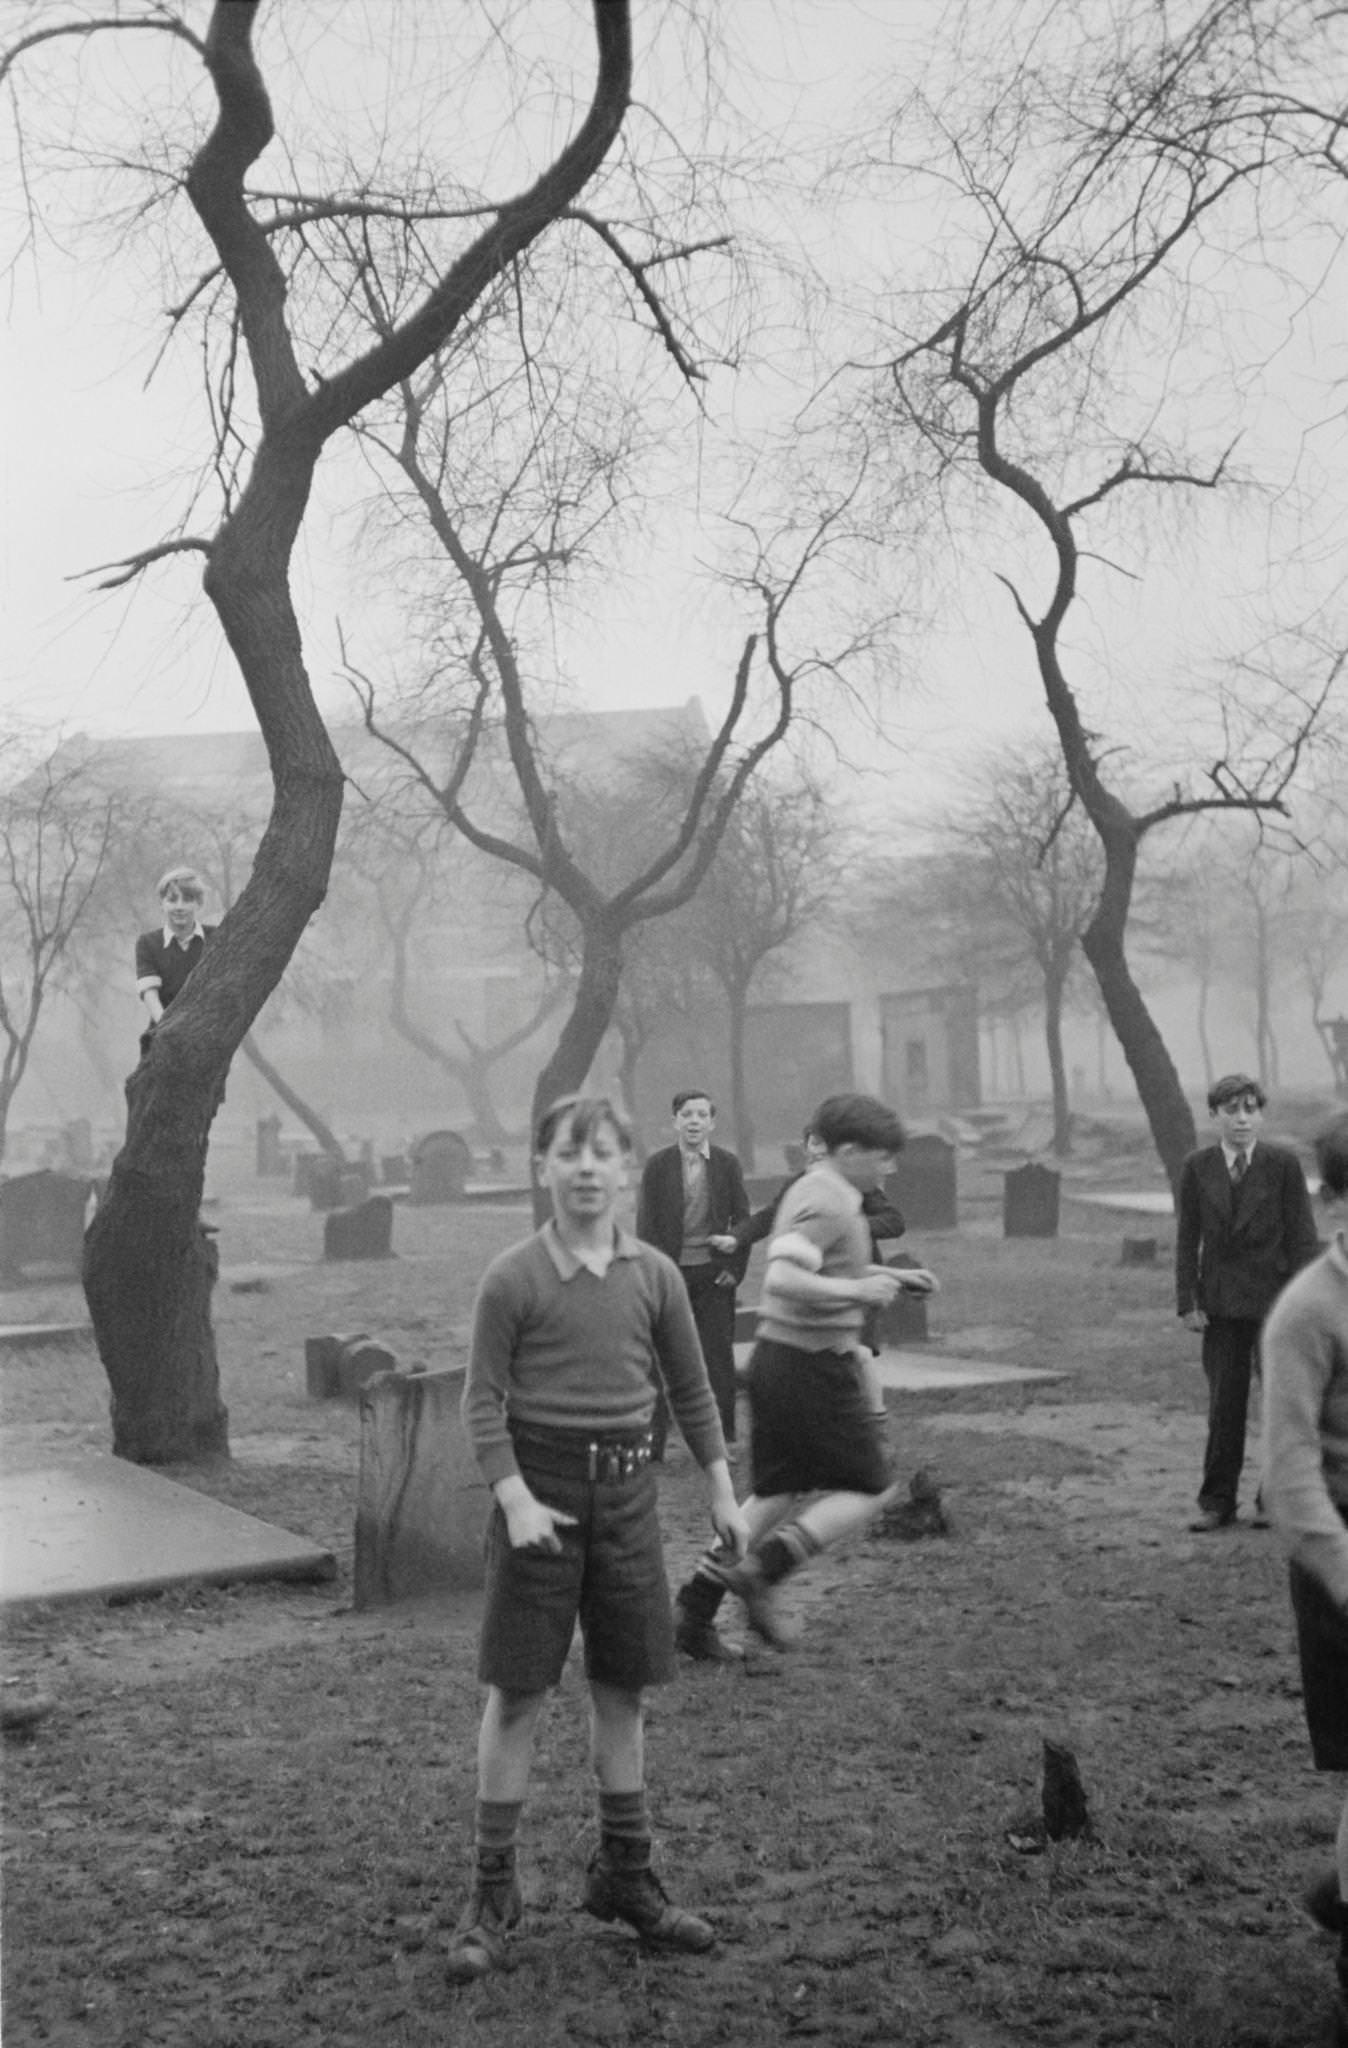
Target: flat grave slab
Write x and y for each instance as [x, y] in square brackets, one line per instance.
[21, 1336]
[1147, 1202]
[100, 1527]
[920, 1372]
[924, 1372]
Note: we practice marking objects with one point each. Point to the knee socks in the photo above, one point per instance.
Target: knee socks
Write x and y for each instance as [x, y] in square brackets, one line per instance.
[625, 1828]
[785, 1551]
[496, 1824]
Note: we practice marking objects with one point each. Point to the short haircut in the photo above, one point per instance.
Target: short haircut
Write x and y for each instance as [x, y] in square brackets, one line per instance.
[1231, 1087]
[1331, 1156]
[185, 880]
[857, 1120]
[692, 1095]
[583, 1114]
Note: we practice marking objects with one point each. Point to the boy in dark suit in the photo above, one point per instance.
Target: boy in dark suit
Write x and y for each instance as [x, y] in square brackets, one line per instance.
[1244, 1226]
[691, 1193]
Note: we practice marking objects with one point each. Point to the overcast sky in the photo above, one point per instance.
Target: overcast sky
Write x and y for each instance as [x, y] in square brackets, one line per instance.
[91, 456]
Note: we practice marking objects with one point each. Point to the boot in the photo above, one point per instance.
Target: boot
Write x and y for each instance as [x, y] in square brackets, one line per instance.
[695, 1631]
[762, 1603]
[620, 1885]
[478, 1943]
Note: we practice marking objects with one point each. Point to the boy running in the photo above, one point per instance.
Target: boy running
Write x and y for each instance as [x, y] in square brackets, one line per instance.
[568, 1330]
[814, 1423]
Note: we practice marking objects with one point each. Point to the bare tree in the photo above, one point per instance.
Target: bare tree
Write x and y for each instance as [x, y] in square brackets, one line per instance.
[1028, 860]
[1144, 147]
[56, 829]
[149, 1269]
[779, 866]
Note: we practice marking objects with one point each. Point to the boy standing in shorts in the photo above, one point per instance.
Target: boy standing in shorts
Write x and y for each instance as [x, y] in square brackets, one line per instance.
[568, 1331]
[814, 1422]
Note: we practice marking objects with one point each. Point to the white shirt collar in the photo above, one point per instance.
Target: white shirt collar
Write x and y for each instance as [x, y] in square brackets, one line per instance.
[703, 1152]
[1231, 1153]
[171, 937]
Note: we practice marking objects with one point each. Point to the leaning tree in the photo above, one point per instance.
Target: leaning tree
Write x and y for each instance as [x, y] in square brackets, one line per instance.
[1109, 198]
[266, 275]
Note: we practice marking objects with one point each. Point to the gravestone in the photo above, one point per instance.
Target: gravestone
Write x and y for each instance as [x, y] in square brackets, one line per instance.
[79, 1144]
[338, 1368]
[363, 1231]
[905, 1320]
[922, 1185]
[271, 1159]
[441, 1163]
[1030, 1196]
[422, 1503]
[395, 1169]
[42, 1218]
[1139, 1251]
[323, 1181]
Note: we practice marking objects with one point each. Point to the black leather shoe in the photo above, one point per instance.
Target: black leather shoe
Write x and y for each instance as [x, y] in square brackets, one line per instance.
[1208, 1520]
[636, 1895]
[703, 1641]
[1325, 1904]
[478, 1944]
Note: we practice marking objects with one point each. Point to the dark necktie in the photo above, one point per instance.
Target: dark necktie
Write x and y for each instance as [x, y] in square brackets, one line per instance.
[1238, 1165]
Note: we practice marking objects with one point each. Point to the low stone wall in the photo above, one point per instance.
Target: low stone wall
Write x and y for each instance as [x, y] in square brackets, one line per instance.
[422, 1503]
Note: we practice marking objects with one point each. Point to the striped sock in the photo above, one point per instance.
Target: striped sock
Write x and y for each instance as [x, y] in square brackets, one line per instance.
[496, 1824]
[785, 1551]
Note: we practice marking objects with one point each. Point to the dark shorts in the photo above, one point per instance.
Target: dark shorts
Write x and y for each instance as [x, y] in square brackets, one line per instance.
[609, 1575]
[1322, 1640]
[811, 1429]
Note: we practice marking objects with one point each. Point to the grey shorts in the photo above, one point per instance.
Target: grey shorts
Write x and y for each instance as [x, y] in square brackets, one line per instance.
[811, 1429]
[609, 1576]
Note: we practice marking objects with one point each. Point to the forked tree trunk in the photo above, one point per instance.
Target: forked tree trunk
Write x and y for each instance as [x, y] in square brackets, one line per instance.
[596, 998]
[1158, 1083]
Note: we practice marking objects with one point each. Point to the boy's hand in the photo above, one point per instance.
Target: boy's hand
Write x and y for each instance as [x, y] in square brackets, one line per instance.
[1195, 1319]
[723, 1242]
[532, 1525]
[727, 1518]
[877, 1288]
[917, 1280]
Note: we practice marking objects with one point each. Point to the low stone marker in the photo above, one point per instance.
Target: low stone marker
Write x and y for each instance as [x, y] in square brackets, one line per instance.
[42, 1217]
[422, 1503]
[1138, 1251]
[364, 1231]
[441, 1163]
[905, 1320]
[337, 1368]
[1030, 1201]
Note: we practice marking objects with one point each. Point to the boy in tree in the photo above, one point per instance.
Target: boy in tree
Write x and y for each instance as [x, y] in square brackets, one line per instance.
[165, 957]
[568, 1332]
[812, 1405]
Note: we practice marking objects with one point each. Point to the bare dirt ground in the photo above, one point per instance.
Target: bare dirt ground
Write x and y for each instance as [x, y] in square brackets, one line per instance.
[245, 1822]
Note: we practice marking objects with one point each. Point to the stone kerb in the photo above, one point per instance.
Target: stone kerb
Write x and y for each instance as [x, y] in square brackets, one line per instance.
[422, 1504]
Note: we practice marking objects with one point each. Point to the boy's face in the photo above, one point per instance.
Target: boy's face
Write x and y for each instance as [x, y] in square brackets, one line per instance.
[864, 1165]
[180, 908]
[694, 1122]
[584, 1176]
[1238, 1119]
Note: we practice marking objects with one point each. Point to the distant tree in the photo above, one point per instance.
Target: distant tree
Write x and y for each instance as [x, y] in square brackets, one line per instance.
[1032, 865]
[56, 829]
[780, 865]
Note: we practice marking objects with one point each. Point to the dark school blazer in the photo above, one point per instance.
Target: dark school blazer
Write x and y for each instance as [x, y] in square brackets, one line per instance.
[660, 1204]
[1236, 1248]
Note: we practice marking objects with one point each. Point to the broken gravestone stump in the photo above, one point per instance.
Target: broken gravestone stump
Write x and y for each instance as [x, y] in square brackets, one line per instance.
[1063, 1814]
[422, 1503]
[363, 1231]
[921, 1514]
[337, 1368]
